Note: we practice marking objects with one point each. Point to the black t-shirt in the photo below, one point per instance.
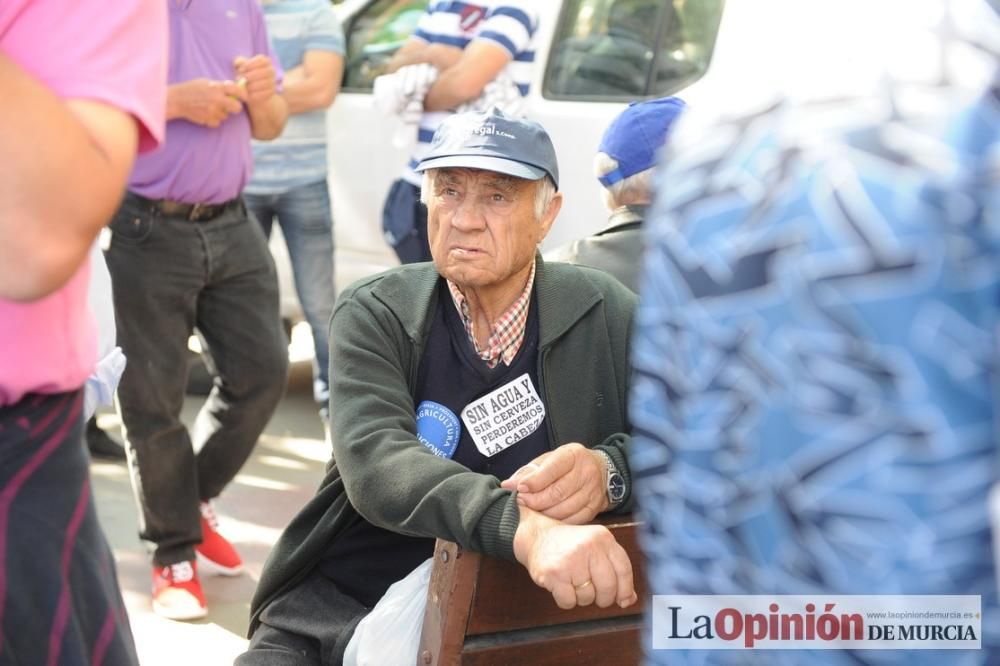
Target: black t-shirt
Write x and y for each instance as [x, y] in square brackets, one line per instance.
[503, 404]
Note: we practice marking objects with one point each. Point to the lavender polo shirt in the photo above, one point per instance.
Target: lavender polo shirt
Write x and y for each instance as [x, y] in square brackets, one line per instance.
[199, 164]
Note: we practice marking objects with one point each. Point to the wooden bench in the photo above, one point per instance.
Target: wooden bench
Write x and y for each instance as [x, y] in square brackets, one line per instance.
[483, 610]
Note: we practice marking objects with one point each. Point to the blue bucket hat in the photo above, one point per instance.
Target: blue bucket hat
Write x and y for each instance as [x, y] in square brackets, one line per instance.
[493, 141]
[636, 135]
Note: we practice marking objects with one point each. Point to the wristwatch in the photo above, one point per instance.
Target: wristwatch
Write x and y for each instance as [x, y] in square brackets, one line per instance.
[615, 482]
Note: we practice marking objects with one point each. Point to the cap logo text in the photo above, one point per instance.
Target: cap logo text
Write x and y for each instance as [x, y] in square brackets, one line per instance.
[489, 129]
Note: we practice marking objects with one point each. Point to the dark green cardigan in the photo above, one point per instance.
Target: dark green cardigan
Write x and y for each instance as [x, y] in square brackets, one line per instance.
[382, 472]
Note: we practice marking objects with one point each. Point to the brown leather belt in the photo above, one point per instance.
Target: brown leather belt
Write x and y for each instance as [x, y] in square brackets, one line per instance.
[196, 212]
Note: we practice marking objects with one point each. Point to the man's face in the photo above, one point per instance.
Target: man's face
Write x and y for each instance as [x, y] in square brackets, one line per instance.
[482, 226]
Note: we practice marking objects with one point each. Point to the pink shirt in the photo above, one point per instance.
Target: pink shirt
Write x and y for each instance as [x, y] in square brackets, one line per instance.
[111, 52]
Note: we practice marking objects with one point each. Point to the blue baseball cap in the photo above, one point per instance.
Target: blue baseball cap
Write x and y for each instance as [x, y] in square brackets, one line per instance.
[636, 135]
[493, 141]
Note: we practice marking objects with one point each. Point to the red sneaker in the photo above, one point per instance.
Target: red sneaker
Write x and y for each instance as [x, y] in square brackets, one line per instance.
[177, 592]
[215, 554]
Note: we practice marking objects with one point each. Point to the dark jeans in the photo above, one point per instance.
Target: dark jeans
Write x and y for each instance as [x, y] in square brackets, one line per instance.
[404, 222]
[169, 276]
[309, 625]
[59, 596]
[303, 213]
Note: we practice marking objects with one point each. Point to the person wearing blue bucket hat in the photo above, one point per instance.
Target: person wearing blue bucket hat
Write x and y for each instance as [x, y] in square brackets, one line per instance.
[478, 398]
[624, 166]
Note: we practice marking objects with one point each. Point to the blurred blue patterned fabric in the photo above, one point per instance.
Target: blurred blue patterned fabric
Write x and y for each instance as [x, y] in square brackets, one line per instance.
[816, 348]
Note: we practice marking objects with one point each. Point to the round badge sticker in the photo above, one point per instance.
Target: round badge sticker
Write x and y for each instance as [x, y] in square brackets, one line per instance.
[438, 428]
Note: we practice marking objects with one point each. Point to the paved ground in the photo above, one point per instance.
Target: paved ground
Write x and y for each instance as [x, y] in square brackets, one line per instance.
[280, 477]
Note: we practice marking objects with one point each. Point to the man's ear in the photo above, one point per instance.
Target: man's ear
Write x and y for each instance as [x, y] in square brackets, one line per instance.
[550, 215]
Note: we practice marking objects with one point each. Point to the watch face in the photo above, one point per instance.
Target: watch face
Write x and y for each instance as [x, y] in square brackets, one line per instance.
[616, 487]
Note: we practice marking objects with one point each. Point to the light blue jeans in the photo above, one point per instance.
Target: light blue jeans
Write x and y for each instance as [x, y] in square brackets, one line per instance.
[306, 222]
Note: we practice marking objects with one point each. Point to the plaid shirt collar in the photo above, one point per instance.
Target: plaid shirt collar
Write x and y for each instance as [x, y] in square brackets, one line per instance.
[508, 331]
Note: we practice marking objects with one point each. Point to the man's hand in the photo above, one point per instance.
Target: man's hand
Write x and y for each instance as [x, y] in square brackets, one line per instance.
[416, 51]
[568, 484]
[579, 564]
[205, 102]
[259, 77]
[267, 109]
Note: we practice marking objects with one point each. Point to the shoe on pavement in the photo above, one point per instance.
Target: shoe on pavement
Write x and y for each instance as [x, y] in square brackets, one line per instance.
[100, 444]
[177, 592]
[215, 554]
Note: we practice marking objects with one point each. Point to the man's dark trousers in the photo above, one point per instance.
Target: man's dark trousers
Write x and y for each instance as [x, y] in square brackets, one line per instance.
[171, 275]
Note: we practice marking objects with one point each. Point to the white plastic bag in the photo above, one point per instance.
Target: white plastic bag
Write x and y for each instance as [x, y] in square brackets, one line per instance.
[102, 383]
[390, 633]
[401, 94]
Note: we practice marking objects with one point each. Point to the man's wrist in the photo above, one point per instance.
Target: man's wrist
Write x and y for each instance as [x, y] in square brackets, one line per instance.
[614, 482]
[529, 527]
[524, 536]
[174, 106]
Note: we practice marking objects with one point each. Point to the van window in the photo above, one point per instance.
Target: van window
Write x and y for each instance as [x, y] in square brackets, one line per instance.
[625, 49]
[374, 35]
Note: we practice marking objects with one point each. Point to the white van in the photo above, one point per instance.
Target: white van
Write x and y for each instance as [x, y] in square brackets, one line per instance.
[593, 57]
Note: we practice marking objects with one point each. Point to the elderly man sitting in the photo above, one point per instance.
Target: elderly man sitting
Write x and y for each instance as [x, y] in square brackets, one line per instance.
[486, 364]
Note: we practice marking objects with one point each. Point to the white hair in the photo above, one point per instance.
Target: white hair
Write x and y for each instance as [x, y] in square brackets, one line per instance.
[545, 192]
[636, 189]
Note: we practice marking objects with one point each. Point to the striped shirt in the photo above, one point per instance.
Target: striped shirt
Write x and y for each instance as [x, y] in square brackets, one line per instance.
[298, 156]
[510, 24]
[508, 330]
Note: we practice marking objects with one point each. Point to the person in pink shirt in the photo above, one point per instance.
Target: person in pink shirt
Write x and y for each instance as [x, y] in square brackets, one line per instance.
[84, 89]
